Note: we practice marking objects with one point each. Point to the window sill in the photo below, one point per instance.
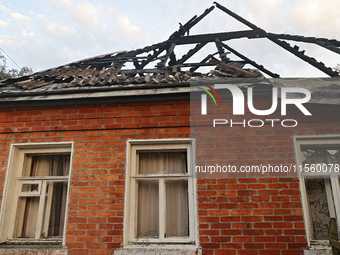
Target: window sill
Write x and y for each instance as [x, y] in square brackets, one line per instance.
[318, 247]
[318, 252]
[36, 251]
[152, 249]
[30, 241]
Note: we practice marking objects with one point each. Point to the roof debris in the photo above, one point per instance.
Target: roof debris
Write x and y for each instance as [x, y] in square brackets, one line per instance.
[111, 69]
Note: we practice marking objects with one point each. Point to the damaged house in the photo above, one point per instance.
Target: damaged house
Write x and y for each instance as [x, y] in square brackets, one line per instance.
[125, 153]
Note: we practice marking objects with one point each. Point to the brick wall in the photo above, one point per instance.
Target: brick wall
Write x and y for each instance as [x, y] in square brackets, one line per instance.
[238, 215]
[254, 215]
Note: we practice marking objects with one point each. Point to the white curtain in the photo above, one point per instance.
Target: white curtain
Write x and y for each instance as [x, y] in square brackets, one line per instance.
[177, 217]
[27, 212]
[176, 195]
[148, 209]
[162, 162]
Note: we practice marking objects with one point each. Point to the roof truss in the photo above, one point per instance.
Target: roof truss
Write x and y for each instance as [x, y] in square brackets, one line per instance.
[134, 66]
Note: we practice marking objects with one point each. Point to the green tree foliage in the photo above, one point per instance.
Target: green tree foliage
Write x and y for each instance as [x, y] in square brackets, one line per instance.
[6, 73]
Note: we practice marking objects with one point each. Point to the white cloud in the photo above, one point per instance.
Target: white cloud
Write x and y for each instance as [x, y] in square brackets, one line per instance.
[3, 24]
[318, 16]
[23, 33]
[56, 30]
[8, 42]
[65, 3]
[124, 26]
[84, 13]
[4, 8]
[20, 18]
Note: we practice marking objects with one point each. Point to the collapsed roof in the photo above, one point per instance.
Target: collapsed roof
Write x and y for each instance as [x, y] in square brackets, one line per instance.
[111, 70]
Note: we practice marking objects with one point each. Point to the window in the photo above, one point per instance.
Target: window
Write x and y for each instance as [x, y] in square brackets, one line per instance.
[36, 193]
[318, 162]
[159, 193]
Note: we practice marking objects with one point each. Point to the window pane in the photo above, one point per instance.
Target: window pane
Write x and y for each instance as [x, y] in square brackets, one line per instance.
[320, 158]
[177, 213]
[318, 207]
[28, 187]
[48, 165]
[27, 215]
[148, 210]
[162, 162]
[54, 211]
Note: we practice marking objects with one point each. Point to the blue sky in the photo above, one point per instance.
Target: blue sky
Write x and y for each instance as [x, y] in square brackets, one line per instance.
[49, 33]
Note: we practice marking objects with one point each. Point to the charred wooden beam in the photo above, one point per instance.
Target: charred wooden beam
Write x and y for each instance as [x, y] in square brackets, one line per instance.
[234, 69]
[237, 17]
[283, 44]
[166, 56]
[301, 55]
[194, 68]
[249, 61]
[152, 57]
[192, 22]
[191, 53]
[142, 71]
[328, 46]
[195, 64]
[220, 74]
[331, 45]
[221, 52]
[299, 38]
[167, 68]
[206, 38]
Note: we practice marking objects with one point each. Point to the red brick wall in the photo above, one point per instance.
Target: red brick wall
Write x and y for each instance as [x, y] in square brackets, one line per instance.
[260, 216]
[243, 216]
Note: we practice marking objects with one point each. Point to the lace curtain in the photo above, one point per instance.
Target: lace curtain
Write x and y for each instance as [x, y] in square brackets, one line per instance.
[176, 195]
[55, 201]
[319, 208]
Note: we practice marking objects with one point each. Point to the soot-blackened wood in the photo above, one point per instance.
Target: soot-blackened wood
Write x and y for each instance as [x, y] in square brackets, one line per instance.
[234, 15]
[221, 52]
[194, 68]
[249, 61]
[192, 22]
[206, 38]
[299, 38]
[234, 69]
[154, 55]
[328, 46]
[191, 53]
[283, 44]
[165, 58]
[301, 55]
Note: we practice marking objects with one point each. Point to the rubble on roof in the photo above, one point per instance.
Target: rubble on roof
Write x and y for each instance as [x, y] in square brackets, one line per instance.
[72, 76]
[112, 69]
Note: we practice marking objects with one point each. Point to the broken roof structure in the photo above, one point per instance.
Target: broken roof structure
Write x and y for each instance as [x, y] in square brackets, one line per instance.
[126, 120]
[157, 64]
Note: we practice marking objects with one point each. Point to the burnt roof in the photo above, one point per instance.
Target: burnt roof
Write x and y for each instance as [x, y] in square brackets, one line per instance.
[111, 70]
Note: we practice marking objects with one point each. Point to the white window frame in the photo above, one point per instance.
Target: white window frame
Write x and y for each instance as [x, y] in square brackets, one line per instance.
[331, 185]
[13, 189]
[130, 220]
